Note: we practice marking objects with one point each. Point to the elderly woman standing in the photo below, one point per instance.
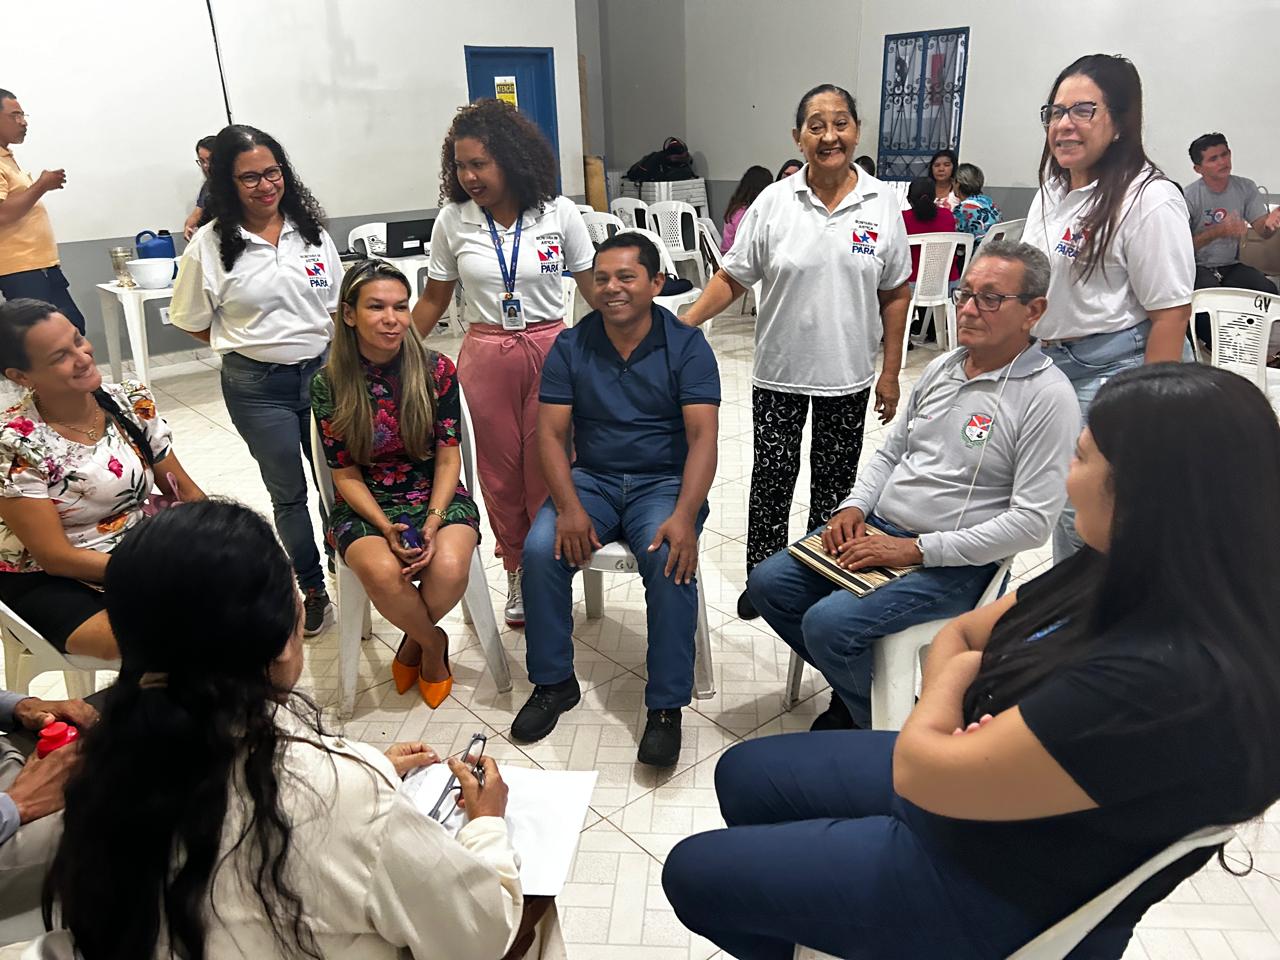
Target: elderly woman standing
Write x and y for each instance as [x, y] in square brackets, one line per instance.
[829, 247]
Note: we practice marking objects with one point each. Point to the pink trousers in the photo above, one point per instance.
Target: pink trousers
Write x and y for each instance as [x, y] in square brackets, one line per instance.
[500, 370]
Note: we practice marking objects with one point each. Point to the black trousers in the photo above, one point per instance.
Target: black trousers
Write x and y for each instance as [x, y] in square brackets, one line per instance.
[49, 285]
[1232, 275]
[833, 461]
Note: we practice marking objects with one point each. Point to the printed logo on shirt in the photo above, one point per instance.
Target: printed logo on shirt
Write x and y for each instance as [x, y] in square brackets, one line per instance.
[1216, 215]
[864, 239]
[551, 253]
[317, 274]
[976, 429]
[1071, 242]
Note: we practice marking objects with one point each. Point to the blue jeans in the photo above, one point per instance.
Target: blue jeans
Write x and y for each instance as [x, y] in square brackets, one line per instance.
[628, 507]
[1088, 364]
[49, 285]
[270, 405]
[833, 629]
[818, 851]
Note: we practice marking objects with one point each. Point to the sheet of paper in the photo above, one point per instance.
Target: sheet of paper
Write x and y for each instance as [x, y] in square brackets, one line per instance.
[545, 813]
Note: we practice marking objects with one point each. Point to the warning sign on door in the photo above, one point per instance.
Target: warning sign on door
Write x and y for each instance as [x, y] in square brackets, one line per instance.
[504, 88]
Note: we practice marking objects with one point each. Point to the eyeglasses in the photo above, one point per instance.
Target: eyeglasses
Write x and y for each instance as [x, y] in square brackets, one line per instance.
[271, 175]
[987, 302]
[20, 116]
[1081, 112]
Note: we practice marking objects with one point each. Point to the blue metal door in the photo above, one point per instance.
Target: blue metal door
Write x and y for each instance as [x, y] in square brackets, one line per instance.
[527, 73]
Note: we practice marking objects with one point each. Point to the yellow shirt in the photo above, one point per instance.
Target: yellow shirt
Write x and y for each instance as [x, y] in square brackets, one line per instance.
[27, 244]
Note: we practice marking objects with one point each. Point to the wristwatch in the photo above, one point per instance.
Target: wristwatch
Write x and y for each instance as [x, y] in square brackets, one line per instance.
[436, 512]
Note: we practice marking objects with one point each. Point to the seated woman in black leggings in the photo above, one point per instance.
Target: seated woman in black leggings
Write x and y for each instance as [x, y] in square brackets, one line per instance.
[1065, 734]
[78, 459]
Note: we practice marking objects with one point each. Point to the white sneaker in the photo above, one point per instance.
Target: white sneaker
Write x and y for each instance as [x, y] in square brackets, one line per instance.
[514, 611]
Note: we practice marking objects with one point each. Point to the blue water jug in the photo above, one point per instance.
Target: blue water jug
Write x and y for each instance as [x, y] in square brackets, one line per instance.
[151, 244]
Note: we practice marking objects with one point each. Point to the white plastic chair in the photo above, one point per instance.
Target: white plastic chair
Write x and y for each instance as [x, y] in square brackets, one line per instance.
[1005, 230]
[677, 223]
[354, 619]
[711, 228]
[371, 237]
[932, 287]
[602, 226]
[27, 655]
[632, 212]
[1065, 935]
[895, 663]
[680, 300]
[585, 208]
[616, 557]
[712, 260]
[1241, 322]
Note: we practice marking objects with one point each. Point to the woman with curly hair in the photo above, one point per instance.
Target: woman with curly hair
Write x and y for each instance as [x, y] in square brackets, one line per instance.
[498, 190]
[259, 283]
[388, 410]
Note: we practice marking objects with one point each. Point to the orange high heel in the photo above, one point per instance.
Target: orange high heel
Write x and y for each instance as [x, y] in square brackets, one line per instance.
[434, 692]
[403, 674]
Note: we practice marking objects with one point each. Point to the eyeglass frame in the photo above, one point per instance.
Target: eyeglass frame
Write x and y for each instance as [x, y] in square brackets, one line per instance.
[1048, 111]
[253, 178]
[958, 292]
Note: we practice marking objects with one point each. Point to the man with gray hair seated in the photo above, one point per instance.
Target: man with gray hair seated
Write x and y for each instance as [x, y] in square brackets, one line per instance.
[973, 472]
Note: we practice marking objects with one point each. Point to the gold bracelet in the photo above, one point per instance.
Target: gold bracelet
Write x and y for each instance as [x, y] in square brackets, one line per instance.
[436, 512]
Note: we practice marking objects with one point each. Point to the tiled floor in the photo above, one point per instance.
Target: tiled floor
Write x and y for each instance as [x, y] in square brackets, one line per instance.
[614, 908]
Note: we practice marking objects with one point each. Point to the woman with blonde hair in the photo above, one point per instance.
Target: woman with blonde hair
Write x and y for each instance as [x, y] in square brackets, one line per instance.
[389, 412]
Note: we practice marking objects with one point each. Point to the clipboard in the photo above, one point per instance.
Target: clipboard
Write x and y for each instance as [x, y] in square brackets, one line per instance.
[813, 555]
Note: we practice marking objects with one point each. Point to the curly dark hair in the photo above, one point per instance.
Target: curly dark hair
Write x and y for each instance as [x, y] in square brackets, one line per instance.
[301, 208]
[515, 143]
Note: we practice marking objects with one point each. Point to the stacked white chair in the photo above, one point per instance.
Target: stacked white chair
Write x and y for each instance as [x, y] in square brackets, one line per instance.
[354, 619]
[632, 212]
[895, 664]
[933, 284]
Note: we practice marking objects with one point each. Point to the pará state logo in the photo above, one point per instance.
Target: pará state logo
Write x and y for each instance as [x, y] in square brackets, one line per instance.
[551, 253]
[864, 240]
[317, 275]
[1071, 242]
[976, 429]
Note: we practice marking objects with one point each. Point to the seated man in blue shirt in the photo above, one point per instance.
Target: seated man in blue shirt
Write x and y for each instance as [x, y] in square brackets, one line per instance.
[641, 391]
[30, 791]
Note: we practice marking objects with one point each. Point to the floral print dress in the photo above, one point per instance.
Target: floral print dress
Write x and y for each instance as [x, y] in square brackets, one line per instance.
[98, 489]
[399, 484]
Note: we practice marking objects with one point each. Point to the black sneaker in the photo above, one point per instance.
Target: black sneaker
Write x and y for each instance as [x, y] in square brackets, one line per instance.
[317, 611]
[538, 716]
[835, 717]
[660, 745]
[746, 609]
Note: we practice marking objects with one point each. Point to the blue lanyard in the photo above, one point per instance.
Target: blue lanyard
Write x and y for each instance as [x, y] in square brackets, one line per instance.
[508, 276]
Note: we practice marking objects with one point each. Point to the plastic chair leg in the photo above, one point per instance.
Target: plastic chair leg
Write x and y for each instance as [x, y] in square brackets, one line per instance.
[704, 678]
[13, 655]
[353, 616]
[893, 688]
[80, 683]
[479, 601]
[795, 673]
[593, 588]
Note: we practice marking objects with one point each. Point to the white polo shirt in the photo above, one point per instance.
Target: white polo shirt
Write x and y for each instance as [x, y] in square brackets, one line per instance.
[818, 323]
[553, 238]
[1150, 264]
[274, 304]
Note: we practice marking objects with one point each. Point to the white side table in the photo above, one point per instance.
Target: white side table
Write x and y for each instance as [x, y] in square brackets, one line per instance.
[128, 302]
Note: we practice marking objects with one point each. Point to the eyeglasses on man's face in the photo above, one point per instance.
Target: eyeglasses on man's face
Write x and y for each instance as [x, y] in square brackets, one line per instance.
[987, 302]
[251, 180]
[1082, 111]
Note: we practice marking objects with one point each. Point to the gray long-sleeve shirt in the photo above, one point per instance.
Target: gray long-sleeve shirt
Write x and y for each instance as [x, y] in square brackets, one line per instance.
[920, 478]
[9, 819]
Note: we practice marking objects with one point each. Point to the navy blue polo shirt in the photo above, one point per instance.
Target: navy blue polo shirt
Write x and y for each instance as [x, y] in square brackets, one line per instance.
[627, 414]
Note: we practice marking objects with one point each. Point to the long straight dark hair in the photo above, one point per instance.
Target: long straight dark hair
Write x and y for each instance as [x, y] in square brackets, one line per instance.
[749, 187]
[201, 599]
[1122, 163]
[1194, 454]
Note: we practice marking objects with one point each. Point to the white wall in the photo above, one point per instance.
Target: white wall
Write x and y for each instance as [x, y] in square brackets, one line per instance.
[361, 97]
[748, 64]
[643, 51]
[118, 98]
[1202, 67]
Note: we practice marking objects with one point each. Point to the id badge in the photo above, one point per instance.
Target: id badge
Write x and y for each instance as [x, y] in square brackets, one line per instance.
[512, 313]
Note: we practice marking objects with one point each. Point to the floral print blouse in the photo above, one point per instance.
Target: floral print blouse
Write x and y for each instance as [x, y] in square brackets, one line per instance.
[392, 476]
[98, 489]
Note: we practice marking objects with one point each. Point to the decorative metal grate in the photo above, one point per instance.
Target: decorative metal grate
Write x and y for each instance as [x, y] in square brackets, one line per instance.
[922, 99]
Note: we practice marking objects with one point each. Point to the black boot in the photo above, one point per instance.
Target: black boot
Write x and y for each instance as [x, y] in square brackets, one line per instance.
[538, 716]
[660, 745]
[835, 717]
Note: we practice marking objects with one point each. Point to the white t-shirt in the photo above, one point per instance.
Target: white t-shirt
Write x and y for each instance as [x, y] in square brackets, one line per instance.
[818, 325]
[275, 303]
[1150, 264]
[553, 238]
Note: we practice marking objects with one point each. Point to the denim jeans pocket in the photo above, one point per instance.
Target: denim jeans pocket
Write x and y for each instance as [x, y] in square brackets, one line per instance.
[242, 372]
[1108, 349]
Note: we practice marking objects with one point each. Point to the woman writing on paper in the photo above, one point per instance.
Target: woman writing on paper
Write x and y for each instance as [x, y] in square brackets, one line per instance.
[237, 826]
[506, 235]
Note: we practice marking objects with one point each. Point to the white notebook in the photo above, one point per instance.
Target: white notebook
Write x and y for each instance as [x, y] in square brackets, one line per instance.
[545, 813]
